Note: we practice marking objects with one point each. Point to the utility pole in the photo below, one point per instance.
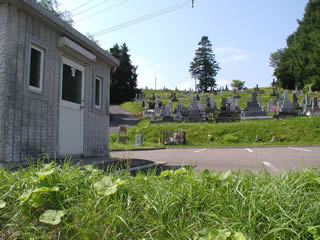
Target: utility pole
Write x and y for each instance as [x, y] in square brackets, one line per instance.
[195, 84]
[155, 84]
[192, 3]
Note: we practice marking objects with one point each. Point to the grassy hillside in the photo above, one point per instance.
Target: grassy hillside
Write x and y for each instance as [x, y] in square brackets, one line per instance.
[293, 131]
[134, 107]
[49, 202]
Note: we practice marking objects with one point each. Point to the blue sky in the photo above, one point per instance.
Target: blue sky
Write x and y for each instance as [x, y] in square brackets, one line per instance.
[243, 34]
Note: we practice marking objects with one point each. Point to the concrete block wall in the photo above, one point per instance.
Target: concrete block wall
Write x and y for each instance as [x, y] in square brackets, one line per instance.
[3, 47]
[30, 123]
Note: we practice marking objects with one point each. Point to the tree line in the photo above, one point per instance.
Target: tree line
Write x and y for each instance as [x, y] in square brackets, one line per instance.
[298, 64]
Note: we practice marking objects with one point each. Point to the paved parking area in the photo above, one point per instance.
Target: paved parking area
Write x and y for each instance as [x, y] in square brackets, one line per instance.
[274, 159]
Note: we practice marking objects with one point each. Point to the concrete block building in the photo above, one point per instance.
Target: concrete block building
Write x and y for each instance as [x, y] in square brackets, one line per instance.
[54, 86]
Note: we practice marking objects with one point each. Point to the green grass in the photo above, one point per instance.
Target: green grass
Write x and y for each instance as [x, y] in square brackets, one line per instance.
[175, 205]
[293, 131]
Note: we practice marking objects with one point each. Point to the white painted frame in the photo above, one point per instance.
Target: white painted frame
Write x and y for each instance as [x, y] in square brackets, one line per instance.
[42, 52]
[71, 105]
[100, 93]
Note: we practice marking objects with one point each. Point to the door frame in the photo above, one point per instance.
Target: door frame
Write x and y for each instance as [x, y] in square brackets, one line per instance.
[66, 104]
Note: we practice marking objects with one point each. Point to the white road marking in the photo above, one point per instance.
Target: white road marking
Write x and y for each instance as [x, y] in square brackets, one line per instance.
[267, 164]
[300, 149]
[201, 150]
[249, 150]
[271, 166]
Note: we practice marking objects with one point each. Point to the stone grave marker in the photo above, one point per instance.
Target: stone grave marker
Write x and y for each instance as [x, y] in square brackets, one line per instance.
[122, 133]
[194, 114]
[253, 108]
[178, 116]
[139, 140]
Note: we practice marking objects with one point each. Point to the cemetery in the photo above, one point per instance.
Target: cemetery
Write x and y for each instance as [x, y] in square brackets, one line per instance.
[204, 107]
[221, 118]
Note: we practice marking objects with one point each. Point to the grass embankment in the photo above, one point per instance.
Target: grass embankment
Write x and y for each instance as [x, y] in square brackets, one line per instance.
[66, 202]
[293, 131]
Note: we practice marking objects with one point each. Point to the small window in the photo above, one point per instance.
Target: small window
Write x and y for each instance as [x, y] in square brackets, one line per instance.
[98, 93]
[71, 84]
[36, 68]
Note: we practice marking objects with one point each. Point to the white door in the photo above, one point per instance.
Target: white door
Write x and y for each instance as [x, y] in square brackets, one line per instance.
[71, 108]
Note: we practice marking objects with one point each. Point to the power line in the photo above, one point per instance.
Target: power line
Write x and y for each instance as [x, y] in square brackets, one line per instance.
[104, 10]
[81, 6]
[142, 18]
[85, 10]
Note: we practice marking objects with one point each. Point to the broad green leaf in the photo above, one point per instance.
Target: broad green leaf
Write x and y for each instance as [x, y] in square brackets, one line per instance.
[315, 231]
[43, 174]
[2, 204]
[52, 217]
[120, 182]
[214, 234]
[219, 234]
[27, 194]
[106, 187]
[166, 173]
[225, 175]
[180, 171]
[45, 189]
[317, 180]
[238, 236]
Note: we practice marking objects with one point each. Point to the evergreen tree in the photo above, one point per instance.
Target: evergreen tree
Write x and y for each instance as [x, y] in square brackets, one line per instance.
[124, 78]
[204, 66]
[299, 63]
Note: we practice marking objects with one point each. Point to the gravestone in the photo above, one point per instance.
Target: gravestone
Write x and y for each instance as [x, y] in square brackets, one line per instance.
[145, 112]
[139, 140]
[153, 116]
[274, 93]
[315, 111]
[169, 110]
[194, 114]
[212, 102]
[286, 108]
[189, 104]
[224, 114]
[178, 116]
[163, 110]
[271, 105]
[174, 98]
[310, 90]
[121, 138]
[181, 101]
[237, 94]
[253, 108]
[295, 103]
[307, 104]
[156, 106]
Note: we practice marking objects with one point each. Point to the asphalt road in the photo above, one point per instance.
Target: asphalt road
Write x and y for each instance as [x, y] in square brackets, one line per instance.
[120, 117]
[272, 159]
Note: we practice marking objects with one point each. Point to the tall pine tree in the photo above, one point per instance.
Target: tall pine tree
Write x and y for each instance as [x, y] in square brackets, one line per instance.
[124, 78]
[204, 67]
[299, 63]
